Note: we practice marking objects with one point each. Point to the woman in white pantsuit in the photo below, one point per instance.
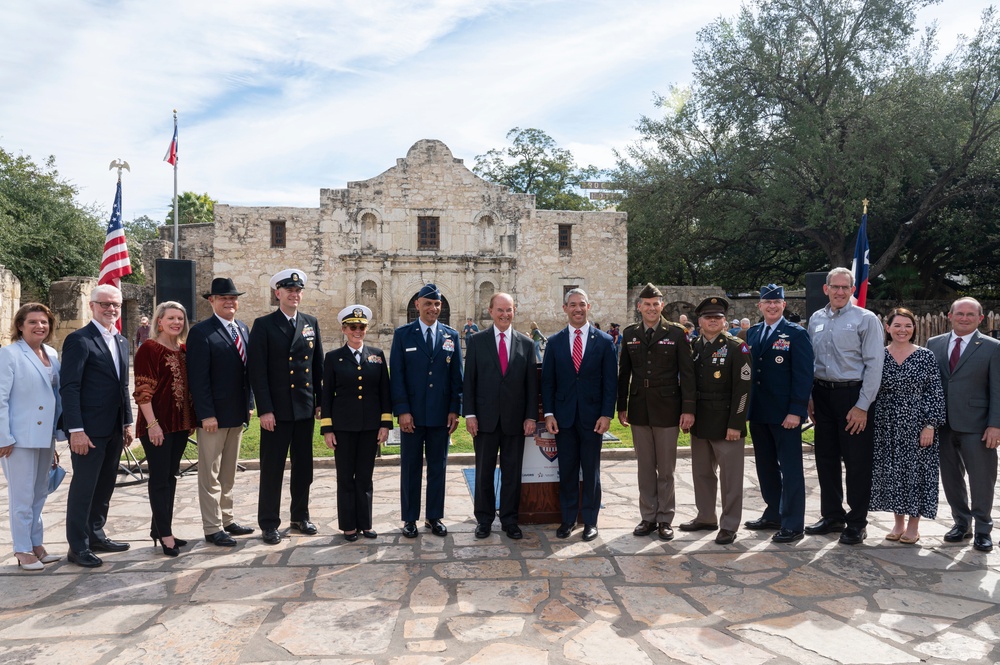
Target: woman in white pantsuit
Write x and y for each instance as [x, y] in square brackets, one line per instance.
[29, 414]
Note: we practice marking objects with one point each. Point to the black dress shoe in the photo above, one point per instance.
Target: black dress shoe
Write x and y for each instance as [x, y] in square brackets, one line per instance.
[761, 523]
[368, 533]
[564, 530]
[238, 529]
[271, 536]
[853, 536]
[410, 529]
[983, 542]
[589, 532]
[666, 533]
[86, 558]
[695, 525]
[108, 545]
[513, 532]
[957, 534]
[725, 537]
[220, 538]
[304, 527]
[825, 525]
[483, 530]
[644, 528]
[786, 536]
[437, 527]
[351, 537]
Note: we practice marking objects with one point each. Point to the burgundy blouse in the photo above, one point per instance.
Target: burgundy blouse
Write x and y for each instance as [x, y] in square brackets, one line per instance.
[161, 380]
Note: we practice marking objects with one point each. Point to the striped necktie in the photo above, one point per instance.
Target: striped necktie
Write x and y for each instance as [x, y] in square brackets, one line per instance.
[578, 350]
[239, 342]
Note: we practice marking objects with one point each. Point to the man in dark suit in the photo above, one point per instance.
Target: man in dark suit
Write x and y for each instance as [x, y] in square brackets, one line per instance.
[425, 372]
[285, 362]
[97, 413]
[501, 405]
[782, 359]
[970, 373]
[656, 399]
[223, 402]
[579, 384]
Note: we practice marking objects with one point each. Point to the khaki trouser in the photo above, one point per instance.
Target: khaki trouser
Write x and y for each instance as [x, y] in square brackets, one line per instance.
[656, 457]
[218, 454]
[707, 455]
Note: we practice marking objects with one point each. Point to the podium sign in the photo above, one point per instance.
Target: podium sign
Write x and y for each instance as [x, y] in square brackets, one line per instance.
[540, 475]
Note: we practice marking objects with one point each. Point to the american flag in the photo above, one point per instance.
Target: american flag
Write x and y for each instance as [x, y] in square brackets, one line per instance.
[115, 264]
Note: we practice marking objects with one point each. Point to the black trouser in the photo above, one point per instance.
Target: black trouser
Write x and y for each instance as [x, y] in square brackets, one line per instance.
[90, 490]
[511, 452]
[355, 465]
[290, 438]
[579, 450]
[164, 462]
[833, 444]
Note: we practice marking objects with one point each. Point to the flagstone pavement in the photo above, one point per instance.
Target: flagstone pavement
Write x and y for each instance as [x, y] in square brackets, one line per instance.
[430, 600]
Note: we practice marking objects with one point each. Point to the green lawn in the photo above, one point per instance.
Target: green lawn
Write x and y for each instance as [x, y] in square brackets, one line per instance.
[461, 438]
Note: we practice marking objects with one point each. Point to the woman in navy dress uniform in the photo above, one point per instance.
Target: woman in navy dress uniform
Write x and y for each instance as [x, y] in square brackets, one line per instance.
[356, 418]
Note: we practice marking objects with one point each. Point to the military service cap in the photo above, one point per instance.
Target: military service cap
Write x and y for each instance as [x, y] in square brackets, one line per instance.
[772, 292]
[354, 314]
[712, 306]
[430, 291]
[288, 277]
[650, 291]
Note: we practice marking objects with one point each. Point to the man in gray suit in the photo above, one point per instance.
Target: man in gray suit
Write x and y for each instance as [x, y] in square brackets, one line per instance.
[970, 372]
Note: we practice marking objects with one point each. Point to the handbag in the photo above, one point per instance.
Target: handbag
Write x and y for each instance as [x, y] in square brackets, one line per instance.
[56, 474]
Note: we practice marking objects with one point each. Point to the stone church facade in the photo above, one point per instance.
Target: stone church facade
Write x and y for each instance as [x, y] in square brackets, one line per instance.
[426, 219]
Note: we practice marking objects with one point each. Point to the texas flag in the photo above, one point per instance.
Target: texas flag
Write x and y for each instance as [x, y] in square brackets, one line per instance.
[171, 156]
[860, 264]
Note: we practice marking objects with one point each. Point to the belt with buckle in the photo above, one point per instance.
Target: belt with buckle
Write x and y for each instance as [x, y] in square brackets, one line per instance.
[833, 385]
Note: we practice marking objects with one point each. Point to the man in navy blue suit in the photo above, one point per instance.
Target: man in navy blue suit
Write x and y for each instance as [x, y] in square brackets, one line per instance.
[97, 413]
[425, 373]
[220, 388]
[579, 388]
[782, 359]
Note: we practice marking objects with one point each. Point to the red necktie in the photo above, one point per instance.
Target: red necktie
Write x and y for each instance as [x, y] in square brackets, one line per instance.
[577, 350]
[503, 355]
[956, 353]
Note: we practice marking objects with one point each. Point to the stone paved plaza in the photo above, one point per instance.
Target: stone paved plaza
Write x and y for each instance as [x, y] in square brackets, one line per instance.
[618, 599]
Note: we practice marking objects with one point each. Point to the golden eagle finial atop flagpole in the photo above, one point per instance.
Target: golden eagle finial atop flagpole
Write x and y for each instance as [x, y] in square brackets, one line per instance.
[864, 202]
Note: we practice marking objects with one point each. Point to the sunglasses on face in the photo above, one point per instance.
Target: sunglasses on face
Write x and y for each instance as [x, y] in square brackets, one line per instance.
[357, 326]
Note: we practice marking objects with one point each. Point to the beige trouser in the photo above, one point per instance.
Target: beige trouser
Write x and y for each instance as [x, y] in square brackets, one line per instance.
[656, 457]
[707, 455]
[218, 454]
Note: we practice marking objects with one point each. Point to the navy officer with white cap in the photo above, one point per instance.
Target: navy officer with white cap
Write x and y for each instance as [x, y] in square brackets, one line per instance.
[356, 418]
[426, 379]
[285, 361]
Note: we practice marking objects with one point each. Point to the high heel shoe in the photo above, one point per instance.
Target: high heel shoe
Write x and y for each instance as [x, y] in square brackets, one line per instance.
[34, 565]
[168, 551]
[178, 542]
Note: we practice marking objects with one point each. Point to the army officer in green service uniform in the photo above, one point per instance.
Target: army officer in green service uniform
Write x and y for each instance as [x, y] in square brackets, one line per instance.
[656, 400]
[722, 373]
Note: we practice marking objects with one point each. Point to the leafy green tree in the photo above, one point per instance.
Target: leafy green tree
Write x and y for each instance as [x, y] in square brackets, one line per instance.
[799, 110]
[192, 209]
[534, 164]
[44, 233]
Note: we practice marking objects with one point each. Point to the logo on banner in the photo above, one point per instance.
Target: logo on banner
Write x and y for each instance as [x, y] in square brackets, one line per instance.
[547, 446]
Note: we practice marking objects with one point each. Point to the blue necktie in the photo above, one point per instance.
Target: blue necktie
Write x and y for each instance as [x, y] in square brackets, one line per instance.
[430, 341]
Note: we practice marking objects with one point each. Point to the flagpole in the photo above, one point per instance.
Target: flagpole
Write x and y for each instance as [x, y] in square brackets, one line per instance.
[177, 238]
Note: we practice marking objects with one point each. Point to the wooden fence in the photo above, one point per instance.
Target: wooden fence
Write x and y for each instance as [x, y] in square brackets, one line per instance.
[930, 325]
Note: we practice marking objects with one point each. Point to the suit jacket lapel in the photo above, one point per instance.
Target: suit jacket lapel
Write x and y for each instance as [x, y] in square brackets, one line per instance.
[493, 351]
[102, 348]
[34, 359]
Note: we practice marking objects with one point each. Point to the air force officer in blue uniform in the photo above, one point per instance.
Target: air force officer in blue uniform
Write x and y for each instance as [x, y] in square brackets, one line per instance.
[579, 388]
[782, 359]
[425, 373]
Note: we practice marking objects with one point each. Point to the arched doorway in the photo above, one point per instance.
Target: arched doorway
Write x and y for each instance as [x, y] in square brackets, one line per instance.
[412, 314]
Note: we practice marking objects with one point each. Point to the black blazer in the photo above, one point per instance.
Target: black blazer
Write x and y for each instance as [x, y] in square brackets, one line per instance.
[500, 402]
[356, 397]
[95, 398]
[286, 368]
[219, 381]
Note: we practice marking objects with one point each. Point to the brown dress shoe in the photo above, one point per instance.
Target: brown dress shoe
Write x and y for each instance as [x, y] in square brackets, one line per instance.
[725, 537]
[644, 528]
[666, 533]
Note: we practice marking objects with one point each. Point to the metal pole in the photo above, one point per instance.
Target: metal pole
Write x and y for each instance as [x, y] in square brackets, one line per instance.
[177, 237]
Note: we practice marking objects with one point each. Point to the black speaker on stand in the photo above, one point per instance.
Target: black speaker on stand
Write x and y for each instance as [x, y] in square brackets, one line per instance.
[815, 298]
[175, 281]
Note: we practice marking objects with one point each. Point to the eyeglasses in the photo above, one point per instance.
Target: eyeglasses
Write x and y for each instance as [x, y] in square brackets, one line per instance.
[357, 326]
[835, 287]
[107, 305]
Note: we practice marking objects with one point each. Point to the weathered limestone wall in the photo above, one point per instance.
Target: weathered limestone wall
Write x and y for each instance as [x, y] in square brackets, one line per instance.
[68, 299]
[197, 244]
[10, 302]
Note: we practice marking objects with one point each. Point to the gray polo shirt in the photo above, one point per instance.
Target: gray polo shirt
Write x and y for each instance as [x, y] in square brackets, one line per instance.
[849, 345]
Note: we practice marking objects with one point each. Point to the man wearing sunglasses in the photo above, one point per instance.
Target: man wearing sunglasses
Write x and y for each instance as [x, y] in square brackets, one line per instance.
[97, 413]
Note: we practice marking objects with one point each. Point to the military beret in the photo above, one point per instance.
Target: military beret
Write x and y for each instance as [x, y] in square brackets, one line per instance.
[711, 306]
[430, 291]
[772, 292]
[354, 314]
[288, 277]
[650, 291]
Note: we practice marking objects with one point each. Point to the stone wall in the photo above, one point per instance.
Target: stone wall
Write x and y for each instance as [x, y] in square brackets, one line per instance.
[10, 302]
[68, 299]
[197, 244]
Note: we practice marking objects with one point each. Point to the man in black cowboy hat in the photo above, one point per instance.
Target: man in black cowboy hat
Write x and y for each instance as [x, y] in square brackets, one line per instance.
[220, 388]
[286, 374]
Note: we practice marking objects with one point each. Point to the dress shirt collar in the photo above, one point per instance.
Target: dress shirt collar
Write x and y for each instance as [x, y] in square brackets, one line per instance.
[424, 327]
[966, 340]
[226, 324]
[105, 333]
[585, 330]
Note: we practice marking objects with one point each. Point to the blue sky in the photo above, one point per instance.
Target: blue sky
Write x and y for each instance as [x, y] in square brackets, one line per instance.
[277, 100]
